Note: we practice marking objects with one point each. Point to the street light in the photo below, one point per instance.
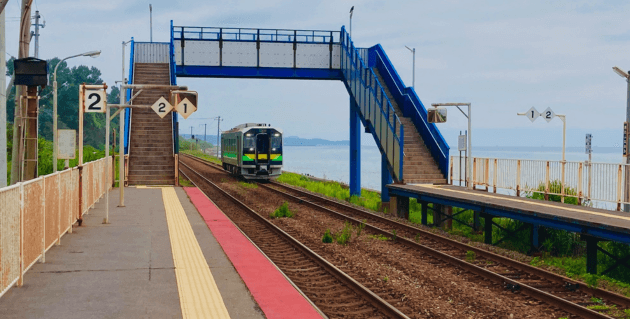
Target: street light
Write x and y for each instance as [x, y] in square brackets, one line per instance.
[469, 163]
[92, 54]
[626, 196]
[351, 10]
[413, 83]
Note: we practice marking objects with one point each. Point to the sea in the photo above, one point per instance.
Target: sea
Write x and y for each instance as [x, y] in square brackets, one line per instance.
[332, 161]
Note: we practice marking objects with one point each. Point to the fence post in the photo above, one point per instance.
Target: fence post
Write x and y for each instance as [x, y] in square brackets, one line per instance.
[474, 172]
[590, 178]
[80, 219]
[21, 277]
[43, 260]
[619, 188]
[579, 190]
[547, 182]
[450, 168]
[494, 178]
[487, 174]
[518, 178]
[562, 183]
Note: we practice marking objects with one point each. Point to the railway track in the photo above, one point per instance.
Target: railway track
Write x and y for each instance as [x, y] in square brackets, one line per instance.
[558, 291]
[330, 289]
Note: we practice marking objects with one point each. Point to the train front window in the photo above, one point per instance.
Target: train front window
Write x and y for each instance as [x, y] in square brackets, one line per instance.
[276, 141]
[249, 142]
[262, 143]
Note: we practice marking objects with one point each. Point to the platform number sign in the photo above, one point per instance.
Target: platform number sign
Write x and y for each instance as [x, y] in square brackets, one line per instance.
[186, 102]
[548, 114]
[625, 139]
[94, 100]
[532, 114]
[589, 148]
[162, 107]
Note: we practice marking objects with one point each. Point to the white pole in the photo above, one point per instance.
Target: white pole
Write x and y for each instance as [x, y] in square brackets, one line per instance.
[564, 134]
[107, 171]
[121, 146]
[151, 21]
[413, 82]
[3, 105]
[470, 156]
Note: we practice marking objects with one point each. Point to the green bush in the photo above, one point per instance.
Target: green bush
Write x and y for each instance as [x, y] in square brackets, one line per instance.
[282, 211]
[327, 238]
[346, 234]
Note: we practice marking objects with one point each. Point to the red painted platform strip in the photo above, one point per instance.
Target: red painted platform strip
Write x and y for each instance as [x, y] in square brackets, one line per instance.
[274, 294]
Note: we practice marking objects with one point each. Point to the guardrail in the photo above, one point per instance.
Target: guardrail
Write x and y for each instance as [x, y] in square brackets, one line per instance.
[591, 183]
[251, 34]
[374, 105]
[36, 213]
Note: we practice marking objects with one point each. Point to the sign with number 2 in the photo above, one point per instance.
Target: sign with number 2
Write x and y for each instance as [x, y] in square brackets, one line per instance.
[94, 101]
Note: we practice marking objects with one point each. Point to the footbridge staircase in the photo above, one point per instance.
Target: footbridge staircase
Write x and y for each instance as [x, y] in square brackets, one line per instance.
[413, 150]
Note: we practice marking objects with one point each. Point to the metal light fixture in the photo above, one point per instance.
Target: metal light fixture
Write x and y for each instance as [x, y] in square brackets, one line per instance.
[621, 72]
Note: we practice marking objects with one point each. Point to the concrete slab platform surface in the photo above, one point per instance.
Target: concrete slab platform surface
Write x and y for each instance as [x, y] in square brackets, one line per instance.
[124, 269]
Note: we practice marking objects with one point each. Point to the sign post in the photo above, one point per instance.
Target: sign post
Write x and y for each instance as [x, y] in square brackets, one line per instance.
[92, 99]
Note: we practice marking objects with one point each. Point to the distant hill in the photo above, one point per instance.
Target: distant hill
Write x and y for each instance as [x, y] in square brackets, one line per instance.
[288, 141]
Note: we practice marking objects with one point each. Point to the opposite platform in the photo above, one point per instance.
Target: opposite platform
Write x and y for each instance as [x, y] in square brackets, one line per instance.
[605, 224]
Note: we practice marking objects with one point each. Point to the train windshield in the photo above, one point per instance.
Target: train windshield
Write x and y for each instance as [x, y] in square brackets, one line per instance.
[276, 141]
[262, 143]
[249, 142]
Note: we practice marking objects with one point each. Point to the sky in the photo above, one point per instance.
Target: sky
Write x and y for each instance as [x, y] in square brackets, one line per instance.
[502, 56]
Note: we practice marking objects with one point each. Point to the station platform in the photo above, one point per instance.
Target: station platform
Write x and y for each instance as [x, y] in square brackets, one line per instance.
[599, 223]
[170, 253]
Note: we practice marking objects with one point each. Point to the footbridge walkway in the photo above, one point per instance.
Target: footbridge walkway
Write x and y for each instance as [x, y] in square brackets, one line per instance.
[413, 150]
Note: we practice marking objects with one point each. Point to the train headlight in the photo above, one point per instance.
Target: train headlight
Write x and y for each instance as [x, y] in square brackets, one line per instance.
[276, 134]
[251, 149]
[273, 149]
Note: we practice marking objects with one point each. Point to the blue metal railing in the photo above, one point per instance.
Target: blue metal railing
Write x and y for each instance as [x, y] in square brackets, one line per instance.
[250, 34]
[128, 94]
[171, 59]
[374, 105]
[412, 107]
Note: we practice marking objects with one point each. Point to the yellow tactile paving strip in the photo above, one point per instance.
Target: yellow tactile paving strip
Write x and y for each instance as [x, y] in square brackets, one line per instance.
[528, 202]
[198, 293]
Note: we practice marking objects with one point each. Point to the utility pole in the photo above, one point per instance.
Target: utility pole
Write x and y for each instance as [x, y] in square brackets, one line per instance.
[17, 156]
[3, 104]
[192, 138]
[218, 118]
[205, 139]
[36, 32]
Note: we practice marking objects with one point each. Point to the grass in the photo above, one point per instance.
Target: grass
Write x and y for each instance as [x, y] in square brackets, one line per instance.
[379, 237]
[471, 255]
[327, 238]
[247, 185]
[201, 154]
[282, 211]
[184, 182]
[342, 237]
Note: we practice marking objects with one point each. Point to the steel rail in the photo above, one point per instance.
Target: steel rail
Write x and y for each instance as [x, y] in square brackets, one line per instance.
[507, 282]
[361, 290]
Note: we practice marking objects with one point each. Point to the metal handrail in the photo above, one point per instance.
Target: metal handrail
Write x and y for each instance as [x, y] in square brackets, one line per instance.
[253, 34]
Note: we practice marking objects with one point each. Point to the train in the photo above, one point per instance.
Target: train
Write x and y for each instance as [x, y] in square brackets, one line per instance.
[252, 151]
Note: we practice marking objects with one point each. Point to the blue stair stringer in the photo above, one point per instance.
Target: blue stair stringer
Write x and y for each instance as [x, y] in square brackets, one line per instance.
[376, 110]
[411, 107]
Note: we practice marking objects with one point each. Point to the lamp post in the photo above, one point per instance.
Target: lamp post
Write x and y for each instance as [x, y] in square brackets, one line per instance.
[469, 162]
[626, 195]
[92, 54]
[351, 10]
[413, 81]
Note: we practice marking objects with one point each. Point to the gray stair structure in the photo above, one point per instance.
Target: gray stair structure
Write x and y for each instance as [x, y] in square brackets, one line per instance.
[419, 166]
[151, 159]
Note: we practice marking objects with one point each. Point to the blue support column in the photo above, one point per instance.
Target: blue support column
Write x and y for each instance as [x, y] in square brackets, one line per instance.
[355, 150]
[386, 178]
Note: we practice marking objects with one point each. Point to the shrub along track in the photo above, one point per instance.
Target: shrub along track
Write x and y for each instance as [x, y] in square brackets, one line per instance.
[435, 288]
[331, 290]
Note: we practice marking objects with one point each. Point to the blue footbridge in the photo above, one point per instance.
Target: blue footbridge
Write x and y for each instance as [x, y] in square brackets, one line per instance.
[415, 156]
